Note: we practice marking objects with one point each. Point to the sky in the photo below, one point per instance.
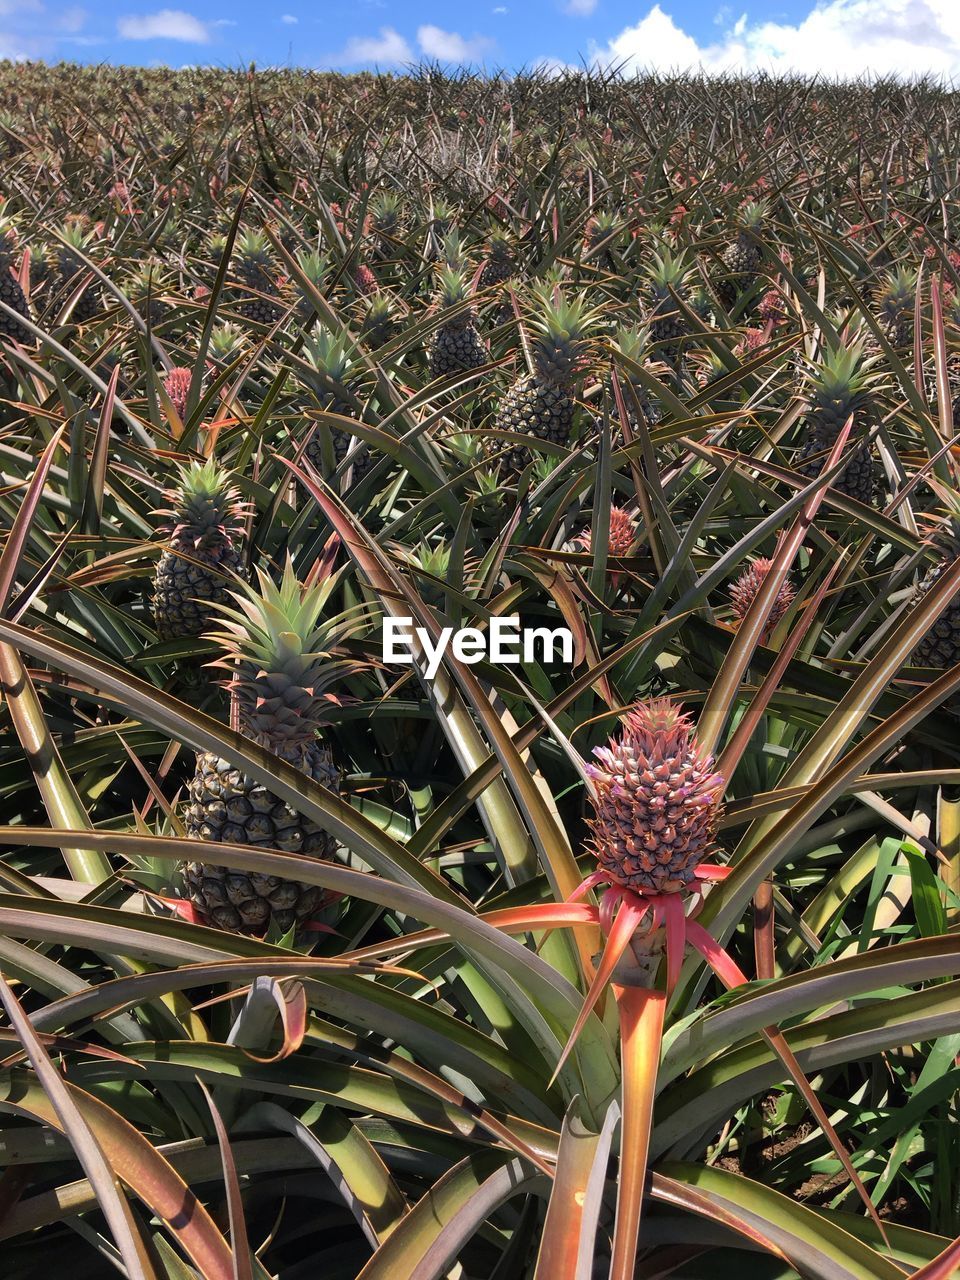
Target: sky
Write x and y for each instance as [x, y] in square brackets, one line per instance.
[837, 38]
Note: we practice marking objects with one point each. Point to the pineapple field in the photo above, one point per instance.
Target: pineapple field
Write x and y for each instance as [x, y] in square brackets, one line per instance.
[316, 962]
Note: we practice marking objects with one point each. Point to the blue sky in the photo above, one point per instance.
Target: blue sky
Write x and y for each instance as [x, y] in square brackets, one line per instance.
[836, 37]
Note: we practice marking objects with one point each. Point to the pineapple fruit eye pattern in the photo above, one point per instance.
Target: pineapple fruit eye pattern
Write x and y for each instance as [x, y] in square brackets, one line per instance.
[480, 671]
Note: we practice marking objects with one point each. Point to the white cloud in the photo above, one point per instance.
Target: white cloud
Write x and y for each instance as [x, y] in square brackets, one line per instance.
[839, 38]
[388, 49]
[501, 8]
[72, 20]
[166, 24]
[580, 8]
[289, 19]
[450, 46]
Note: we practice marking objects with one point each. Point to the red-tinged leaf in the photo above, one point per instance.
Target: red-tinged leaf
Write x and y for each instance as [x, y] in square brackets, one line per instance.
[96, 1166]
[138, 1164]
[239, 1241]
[675, 921]
[624, 927]
[945, 1266]
[268, 1000]
[97, 473]
[732, 976]
[641, 1029]
[568, 1240]
[20, 530]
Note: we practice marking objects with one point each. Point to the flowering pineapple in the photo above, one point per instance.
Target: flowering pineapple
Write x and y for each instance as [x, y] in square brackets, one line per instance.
[455, 346]
[177, 385]
[623, 534]
[744, 591]
[657, 803]
[280, 651]
[205, 538]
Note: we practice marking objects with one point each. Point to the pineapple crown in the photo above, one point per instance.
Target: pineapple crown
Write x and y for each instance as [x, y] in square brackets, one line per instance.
[225, 341]
[330, 354]
[206, 509]
[898, 291]
[631, 343]
[657, 801]
[842, 377]
[254, 248]
[280, 651]
[453, 253]
[313, 264]
[668, 271]
[498, 245]
[454, 291]
[385, 211]
[752, 215]
[561, 337]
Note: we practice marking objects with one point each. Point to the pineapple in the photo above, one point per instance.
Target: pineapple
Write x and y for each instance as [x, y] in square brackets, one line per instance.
[10, 290]
[145, 289]
[331, 360]
[455, 346]
[838, 387]
[385, 224]
[378, 326]
[666, 323]
[621, 538]
[499, 265]
[744, 592]
[541, 403]
[177, 384]
[743, 256]
[280, 651]
[600, 239]
[657, 801]
[206, 526]
[895, 306]
[71, 271]
[632, 344]
[316, 267]
[940, 647]
[256, 270]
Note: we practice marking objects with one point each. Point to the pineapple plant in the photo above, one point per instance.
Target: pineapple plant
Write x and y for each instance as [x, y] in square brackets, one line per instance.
[666, 323]
[743, 257]
[70, 272]
[895, 301]
[840, 385]
[204, 551]
[10, 291]
[499, 265]
[385, 224]
[377, 326]
[541, 403]
[145, 289]
[455, 346]
[632, 344]
[280, 651]
[657, 801]
[744, 592]
[940, 647]
[177, 384]
[330, 359]
[316, 267]
[601, 238]
[622, 534]
[256, 269]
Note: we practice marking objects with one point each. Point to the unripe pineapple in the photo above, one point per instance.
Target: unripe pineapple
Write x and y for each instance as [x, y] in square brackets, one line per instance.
[743, 256]
[940, 647]
[600, 239]
[541, 403]
[71, 271]
[10, 291]
[632, 343]
[205, 538]
[896, 300]
[455, 346]
[378, 325]
[280, 652]
[316, 267]
[256, 269]
[227, 342]
[146, 288]
[744, 592]
[667, 323]
[385, 223]
[331, 360]
[657, 801]
[499, 265]
[839, 386]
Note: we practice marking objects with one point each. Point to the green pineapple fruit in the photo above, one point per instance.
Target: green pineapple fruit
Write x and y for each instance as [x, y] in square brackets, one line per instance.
[632, 343]
[316, 267]
[940, 647]
[743, 256]
[499, 265]
[280, 651]
[71, 271]
[377, 326]
[600, 238]
[455, 346]
[331, 361]
[895, 305]
[10, 291]
[385, 224]
[840, 385]
[541, 403]
[256, 269]
[667, 324]
[205, 539]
